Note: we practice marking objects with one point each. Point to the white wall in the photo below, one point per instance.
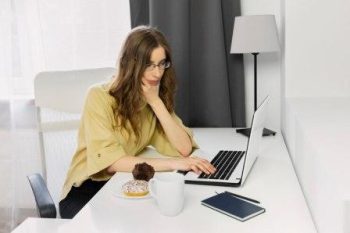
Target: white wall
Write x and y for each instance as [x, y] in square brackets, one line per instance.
[315, 63]
[317, 58]
[268, 65]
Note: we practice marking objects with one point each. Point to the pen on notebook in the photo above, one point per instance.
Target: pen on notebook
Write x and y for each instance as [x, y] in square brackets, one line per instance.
[243, 197]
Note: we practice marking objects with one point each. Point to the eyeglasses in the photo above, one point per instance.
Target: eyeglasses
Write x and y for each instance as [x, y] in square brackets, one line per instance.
[162, 66]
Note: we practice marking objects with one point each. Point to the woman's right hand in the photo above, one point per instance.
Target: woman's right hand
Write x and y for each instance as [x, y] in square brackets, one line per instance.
[195, 164]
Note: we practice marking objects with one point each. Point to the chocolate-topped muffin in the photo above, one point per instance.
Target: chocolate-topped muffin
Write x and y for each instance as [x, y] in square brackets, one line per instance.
[143, 171]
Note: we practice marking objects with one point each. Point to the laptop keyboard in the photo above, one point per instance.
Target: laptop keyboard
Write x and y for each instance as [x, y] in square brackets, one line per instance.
[225, 163]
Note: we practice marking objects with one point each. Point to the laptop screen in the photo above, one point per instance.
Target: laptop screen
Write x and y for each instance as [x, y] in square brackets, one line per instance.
[254, 141]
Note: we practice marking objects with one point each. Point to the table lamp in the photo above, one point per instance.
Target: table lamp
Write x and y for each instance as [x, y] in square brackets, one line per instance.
[255, 34]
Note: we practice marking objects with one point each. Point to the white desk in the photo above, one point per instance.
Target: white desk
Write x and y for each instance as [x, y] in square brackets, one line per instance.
[317, 131]
[42, 225]
[272, 181]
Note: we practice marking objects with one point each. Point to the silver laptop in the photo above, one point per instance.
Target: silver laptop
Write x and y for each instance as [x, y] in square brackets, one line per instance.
[233, 167]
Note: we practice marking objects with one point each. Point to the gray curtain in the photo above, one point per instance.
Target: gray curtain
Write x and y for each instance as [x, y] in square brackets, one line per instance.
[210, 79]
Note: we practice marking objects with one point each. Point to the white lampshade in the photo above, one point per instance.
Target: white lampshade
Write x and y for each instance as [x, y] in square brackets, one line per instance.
[254, 34]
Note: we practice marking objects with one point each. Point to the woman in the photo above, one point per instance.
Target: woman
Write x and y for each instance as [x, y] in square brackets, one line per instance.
[123, 117]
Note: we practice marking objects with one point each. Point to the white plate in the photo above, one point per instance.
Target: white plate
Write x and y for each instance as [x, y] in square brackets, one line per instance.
[117, 191]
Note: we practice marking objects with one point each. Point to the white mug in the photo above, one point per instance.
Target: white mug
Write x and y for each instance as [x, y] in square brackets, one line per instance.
[167, 188]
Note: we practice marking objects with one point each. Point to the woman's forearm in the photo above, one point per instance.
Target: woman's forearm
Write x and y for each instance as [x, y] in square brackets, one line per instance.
[196, 164]
[127, 164]
[175, 133]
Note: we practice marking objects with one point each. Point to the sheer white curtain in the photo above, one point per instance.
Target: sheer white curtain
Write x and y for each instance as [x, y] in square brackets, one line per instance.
[41, 35]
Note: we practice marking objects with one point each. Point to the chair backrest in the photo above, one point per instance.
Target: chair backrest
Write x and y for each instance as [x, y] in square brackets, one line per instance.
[45, 205]
[65, 90]
[59, 98]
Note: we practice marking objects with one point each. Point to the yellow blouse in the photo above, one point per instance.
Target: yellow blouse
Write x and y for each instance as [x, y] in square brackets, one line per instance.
[101, 142]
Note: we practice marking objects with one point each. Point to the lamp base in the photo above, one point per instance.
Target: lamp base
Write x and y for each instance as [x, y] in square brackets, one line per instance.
[246, 132]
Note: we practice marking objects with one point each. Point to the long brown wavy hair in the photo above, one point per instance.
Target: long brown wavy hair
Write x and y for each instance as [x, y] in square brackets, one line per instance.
[126, 87]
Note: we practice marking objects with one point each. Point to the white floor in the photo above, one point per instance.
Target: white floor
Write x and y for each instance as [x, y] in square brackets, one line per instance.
[19, 156]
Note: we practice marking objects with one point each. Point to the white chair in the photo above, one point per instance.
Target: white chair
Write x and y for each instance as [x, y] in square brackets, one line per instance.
[59, 98]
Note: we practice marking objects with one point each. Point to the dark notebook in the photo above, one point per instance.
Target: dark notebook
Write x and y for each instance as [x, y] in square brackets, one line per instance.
[233, 206]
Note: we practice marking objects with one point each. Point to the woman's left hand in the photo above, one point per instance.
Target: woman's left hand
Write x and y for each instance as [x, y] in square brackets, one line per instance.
[150, 92]
[195, 164]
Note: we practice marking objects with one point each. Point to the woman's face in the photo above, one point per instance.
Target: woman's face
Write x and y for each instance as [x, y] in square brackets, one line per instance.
[155, 70]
